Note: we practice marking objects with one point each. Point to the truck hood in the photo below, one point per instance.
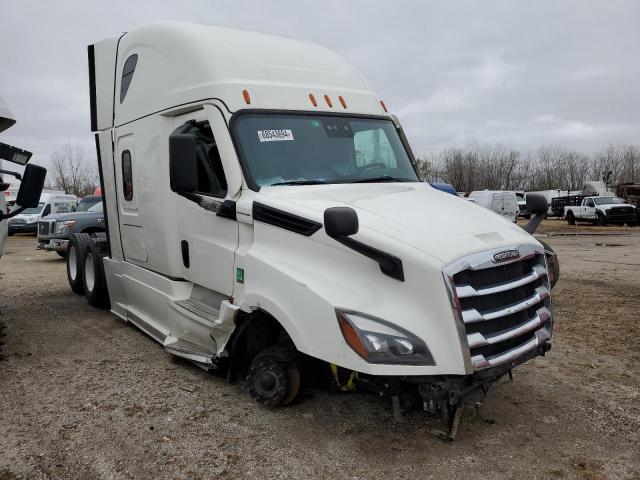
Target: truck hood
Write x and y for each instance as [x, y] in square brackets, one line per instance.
[439, 224]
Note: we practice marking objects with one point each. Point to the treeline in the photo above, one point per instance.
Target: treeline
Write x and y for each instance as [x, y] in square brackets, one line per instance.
[479, 166]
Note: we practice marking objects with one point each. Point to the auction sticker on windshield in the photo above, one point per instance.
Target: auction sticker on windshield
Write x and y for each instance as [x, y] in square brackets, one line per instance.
[275, 135]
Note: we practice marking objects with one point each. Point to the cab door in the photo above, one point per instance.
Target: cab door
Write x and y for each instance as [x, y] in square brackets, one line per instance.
[589, 209]
[207, 240]
[130, 188]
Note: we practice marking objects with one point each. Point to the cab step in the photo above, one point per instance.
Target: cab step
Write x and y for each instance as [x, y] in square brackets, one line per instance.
[188, 350]
[200, 309]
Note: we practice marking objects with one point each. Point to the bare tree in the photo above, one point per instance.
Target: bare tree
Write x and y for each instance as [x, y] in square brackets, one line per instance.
[478, 166]
[72, 172]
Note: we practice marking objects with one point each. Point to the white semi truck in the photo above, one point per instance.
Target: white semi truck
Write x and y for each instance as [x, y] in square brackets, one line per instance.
[264, 211]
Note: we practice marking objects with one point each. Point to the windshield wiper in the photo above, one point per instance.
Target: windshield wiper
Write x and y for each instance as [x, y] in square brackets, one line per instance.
[383, 178]
[300, 182]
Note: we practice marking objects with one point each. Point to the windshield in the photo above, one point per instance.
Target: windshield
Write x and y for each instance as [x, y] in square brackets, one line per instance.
[30, 211]
[96, 208]
[608, 200]
[297, 149]
[86, 203]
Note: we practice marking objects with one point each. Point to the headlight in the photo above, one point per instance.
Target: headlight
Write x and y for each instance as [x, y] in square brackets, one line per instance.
[379, 341]
[64, 227]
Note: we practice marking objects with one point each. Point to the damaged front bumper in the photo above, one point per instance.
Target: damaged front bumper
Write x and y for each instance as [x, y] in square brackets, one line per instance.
[53, 245]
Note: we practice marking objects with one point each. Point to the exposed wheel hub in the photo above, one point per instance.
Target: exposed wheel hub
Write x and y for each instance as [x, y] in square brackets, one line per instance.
[268, 382]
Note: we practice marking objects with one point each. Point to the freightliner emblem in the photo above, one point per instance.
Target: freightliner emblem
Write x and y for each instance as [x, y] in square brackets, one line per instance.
[505, 255]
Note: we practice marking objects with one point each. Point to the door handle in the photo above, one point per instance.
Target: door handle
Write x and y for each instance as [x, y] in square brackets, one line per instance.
[184, 247]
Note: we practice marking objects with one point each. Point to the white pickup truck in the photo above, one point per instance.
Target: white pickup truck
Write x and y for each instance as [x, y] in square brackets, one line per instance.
[602, 211]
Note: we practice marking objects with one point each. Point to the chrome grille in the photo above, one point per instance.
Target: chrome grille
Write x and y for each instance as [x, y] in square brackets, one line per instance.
[504, 307]
[43, 228]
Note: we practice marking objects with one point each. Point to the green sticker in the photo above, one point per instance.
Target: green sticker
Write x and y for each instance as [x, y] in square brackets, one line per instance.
[315, 123]
[240, 275]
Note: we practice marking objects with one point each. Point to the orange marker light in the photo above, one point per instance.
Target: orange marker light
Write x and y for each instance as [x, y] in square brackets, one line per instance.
[247, 98]
[344, 104]
[352, 338]
[328, 100]
[313, 100]
[384, 107]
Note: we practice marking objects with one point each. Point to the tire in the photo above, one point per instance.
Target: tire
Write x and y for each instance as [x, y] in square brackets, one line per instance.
[94, 281]
[602, 221]
[78, 246]
[274, 376]
[62, 254]
[571, 220]
[3, 333]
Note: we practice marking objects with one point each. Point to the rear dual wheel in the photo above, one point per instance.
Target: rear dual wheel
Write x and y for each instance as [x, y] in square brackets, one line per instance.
[3, 332]
[76, 250]
[85, 268]
[94, 282]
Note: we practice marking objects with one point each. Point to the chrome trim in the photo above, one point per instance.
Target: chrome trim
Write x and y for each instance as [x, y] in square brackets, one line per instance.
[480, 361]
[473, 315]
[483, 260]
[477, 339]
[466, 291]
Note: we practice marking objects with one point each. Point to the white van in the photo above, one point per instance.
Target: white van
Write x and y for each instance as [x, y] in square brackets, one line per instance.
[502, 202]
[263, 208]
[27, 220]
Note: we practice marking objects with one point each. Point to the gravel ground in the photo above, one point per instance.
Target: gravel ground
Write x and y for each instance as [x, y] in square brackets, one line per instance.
[85, 396]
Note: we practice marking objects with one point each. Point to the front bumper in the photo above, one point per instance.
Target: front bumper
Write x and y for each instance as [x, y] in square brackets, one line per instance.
[54, 244]
[23, 228]
[441, 394]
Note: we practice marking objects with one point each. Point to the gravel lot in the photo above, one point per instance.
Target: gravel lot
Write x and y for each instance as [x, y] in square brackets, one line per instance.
[84, 395]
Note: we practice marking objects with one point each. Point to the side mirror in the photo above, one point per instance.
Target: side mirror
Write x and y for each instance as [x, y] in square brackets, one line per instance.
[183, 160]
[31, 186]
[536, 204]
[341, 222]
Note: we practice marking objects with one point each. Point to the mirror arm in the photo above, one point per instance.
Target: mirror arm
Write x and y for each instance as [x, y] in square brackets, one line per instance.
[4, 216]
[534, 223]
[9, 172]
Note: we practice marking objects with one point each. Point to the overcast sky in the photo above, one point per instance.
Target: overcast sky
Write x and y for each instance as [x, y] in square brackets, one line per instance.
[517, 73]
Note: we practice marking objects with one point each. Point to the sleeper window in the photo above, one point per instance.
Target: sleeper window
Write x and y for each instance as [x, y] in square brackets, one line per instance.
[127, 75]
[127, 176]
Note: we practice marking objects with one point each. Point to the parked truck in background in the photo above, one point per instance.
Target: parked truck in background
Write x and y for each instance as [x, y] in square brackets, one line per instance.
[630, 193]
[602, 211]
[264, 211]
[54, 231]
[27, 221]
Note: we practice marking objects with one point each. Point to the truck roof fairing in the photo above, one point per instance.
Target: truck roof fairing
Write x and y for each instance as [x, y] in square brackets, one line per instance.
[180, 63]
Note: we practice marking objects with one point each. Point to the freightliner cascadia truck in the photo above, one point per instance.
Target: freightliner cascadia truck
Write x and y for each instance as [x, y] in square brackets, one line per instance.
[264, 209]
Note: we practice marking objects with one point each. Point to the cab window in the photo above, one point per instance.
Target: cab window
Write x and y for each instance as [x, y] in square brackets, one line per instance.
[211, 179]
[127, 176]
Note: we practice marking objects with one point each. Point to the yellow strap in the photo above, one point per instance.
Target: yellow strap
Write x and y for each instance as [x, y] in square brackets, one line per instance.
[350, 386]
